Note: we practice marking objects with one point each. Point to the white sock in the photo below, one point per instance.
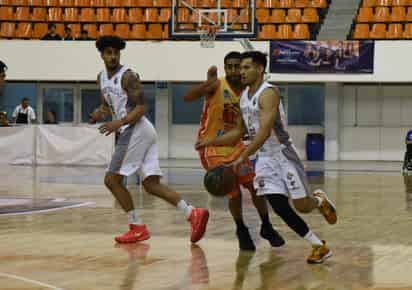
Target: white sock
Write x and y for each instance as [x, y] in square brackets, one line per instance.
[183, 206]
[134, 217]
[312, 238]
[318, 200]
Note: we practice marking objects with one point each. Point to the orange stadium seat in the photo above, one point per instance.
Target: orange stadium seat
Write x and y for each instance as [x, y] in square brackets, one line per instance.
[398, 14]
[6, 13]
[54, 14]
[164, 16]
[138, 31]
[168, 3]
[154, 31]
[91, 30]
[207, 3]
[383, 2]
[23, 14]
[369, 3]
[20, 3]
[365, 15]
[260, 4]
[319, 4]
[399, 3]
[361, 31]
[119, 15]
[382, 14]
[267, 31]
[53, 3]
[183, 15]
[82, 3]
[310, 15]
[40, 29]
[272, 4]
[407, 33]
[278, 16]
[135, 15]
[103, 15]
[285, 31]
[378, 31]
[165, 33]
[244, 16]
[40, 3]
[106, 29]
[286, 4]
[262, 15]
[24, 30]
[302, 3]
[150, 15]
[115, 3]
[240, 3]
[97, 3]
[223, 3]
[301, 31]
[232, 14]
[67, 3]
[409, 14]
[71, 14]
[7, 30]
[38, 14]
[395, 31]
[293, 16]
[87, 15]
[143, 3]
[408, 2]
[75, 29]
[122, 30]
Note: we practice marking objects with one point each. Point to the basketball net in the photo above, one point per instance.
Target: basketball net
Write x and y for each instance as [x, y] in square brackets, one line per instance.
[208, 36]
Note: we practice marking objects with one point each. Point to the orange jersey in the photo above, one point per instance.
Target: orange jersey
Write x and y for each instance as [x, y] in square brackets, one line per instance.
[220, 111]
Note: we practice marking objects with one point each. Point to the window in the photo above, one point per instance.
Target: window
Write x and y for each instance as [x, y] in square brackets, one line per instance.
[306, 104]
[60, 101]
[13, 95]
[182, 112]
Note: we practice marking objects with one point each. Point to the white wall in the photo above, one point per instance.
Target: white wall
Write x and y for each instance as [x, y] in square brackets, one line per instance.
[374, 121]
[175, 61]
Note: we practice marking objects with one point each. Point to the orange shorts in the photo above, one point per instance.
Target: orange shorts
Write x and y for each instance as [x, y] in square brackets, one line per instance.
[214, 156]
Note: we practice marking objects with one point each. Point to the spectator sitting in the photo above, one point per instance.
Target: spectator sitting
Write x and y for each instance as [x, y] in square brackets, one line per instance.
[68, 34]
[3, 69]
[3, 119]
[51, 118]
[84, 35]
[24, 114]
[51, 34]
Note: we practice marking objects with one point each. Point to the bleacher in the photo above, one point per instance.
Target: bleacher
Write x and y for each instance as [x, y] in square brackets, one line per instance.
[148, 19]
[383, 19]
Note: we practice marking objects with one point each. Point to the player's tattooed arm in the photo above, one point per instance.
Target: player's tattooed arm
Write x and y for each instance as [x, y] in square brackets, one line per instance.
[205, 89]
[102, 111]
[132, 85]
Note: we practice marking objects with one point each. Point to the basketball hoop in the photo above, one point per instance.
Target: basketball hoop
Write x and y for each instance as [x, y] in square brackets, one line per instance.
[208, 36]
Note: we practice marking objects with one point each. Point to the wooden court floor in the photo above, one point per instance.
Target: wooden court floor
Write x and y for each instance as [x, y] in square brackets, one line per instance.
[57, 227]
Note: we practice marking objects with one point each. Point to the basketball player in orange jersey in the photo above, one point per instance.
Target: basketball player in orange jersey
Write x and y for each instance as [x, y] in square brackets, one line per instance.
[136, 149]
[280, 175]
[220, 112]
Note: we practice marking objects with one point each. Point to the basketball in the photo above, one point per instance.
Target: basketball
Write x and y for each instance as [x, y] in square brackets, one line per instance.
[220, 180]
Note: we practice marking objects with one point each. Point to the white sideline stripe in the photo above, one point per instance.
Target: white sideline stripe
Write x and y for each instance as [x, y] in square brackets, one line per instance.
[30, 281]
[48, 210]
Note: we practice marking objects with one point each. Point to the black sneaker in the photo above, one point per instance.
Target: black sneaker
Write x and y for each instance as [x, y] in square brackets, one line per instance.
[245, 240]
[274, 238]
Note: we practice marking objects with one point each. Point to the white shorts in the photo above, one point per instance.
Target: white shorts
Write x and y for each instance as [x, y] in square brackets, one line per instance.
[281, 173]
[136, 150]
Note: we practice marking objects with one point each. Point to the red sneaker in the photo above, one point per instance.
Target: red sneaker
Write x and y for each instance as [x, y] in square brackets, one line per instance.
[198, 219]
[136, 233]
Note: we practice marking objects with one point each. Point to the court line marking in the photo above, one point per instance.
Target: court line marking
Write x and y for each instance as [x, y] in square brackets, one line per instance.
[49, 209]
[30, 281]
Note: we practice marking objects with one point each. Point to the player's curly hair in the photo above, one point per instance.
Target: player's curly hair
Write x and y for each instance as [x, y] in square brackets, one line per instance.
[110, 41]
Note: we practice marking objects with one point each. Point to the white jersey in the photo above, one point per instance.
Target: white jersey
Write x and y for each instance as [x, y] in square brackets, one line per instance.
[279, 137]
[114, 94]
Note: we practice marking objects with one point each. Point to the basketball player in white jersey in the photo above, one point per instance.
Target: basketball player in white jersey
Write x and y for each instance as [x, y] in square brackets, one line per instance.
[136, 149]
[279, 172]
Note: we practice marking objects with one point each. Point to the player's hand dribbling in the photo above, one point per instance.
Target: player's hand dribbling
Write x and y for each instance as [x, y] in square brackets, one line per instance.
[110, 127]
[240, 160]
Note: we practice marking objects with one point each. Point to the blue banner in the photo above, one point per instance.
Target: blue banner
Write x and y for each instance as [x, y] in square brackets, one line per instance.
[337, 56]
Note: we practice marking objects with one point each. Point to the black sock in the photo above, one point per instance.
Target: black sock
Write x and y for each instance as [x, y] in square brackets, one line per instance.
[240, 225]
[282, 208]
[265, 220]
